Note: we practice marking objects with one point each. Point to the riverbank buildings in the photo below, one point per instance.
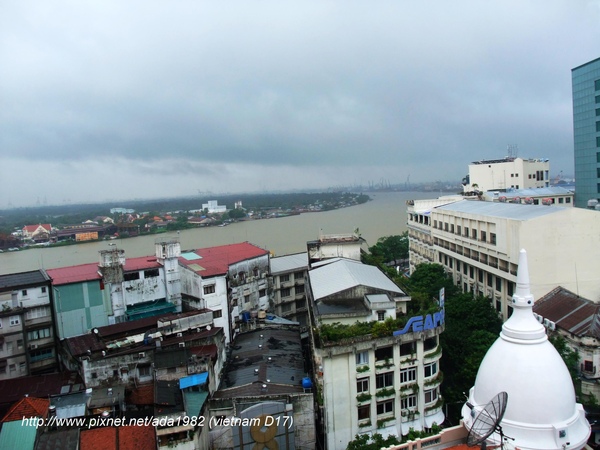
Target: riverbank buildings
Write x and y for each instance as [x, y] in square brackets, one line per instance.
[586, 131]
[368, 382]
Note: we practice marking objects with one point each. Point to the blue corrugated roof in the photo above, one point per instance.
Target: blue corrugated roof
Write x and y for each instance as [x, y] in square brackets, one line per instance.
[193, 380]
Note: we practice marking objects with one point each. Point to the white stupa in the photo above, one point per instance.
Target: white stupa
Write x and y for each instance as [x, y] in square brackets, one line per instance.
[541, 412]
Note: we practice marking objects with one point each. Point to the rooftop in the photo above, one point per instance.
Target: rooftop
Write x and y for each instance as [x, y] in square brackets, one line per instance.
[289, 263]
[501, 210]
[27, 407]
[267, 357]
[570, 312]
[345, 274]
[23, 279]
[213, 261]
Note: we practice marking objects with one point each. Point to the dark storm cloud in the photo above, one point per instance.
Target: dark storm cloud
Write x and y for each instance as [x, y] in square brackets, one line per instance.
[333, 88]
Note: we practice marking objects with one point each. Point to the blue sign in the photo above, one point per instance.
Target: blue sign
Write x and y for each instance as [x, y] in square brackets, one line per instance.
[420, 323]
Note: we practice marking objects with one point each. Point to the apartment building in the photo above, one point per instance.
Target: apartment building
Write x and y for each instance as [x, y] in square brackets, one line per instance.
[289, 290]
[506, 173]
[230, 280]
[27, 334]
[369, 382]
[478, 243]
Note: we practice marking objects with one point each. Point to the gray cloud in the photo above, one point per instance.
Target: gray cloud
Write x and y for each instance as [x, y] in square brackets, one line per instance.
[319, 91]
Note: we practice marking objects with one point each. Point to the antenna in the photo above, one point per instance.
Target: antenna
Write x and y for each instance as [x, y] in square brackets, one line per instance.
[488, 421]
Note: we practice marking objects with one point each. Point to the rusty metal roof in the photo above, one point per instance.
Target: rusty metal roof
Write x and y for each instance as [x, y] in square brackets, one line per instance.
[570, 312]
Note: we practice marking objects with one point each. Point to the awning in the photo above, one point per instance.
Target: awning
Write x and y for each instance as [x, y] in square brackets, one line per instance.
[193, 380]
[149, 309]
[437, 418]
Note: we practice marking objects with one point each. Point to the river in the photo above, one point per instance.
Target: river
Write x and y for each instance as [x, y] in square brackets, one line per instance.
[384, 215]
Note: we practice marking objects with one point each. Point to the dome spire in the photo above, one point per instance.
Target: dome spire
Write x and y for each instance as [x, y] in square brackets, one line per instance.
[522, 325]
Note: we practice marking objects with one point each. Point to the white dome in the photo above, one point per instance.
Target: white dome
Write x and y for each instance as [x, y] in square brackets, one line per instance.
[541, 411]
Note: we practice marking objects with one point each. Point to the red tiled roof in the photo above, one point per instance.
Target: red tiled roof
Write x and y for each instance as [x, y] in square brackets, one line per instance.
[89, 272]
[32, 228]
[141, 263]
[140, 437]
[74, 274]
[103, 438]
[27, 407]
[216, 260]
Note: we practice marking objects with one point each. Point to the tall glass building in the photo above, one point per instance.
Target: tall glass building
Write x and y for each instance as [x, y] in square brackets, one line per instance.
[586, 128]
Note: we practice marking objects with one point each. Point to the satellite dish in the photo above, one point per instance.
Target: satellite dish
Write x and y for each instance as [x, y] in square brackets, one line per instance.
[488, 421]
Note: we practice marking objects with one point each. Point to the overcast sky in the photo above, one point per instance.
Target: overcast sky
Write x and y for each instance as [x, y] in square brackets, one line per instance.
[139, 99]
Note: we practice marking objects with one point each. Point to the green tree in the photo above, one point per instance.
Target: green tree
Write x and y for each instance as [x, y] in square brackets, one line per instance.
[237, 213]
[375, 442]
[390, 248]
[472, 325]
[425, 283]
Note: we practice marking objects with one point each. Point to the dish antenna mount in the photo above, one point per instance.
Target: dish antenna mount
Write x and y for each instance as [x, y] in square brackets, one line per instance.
[487, 422]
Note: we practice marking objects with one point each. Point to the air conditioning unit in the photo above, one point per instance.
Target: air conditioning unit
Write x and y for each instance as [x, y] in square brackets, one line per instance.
[179, 334]
[141, 355]
[182, 345]
[33, 346]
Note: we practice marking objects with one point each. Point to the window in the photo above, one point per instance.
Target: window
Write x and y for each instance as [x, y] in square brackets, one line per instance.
[151, 273]
[407, 349]
[364, 412]
[286, 307]
[408, 402]
[22, 368]
[38, 334]
[262, 292]
[386, 407]
[362, 385]
[43, 289]
[362, 358]
[407, 375]
[19, 344]
[598, 144]
[15, 320]
[383, 380]
[383, 353]
[38, 355]
[12, 368]
[458, 230]
[493, 238]
[286, 292]
[299, 276]
[430, 343]
[499, 284]
[490, 279]
[300, 289]
[36, 313]
[131, 276]
[284, 278]
[144, 371]
[588, 366]
[597, 112]
[217, 314]
[430, 370]
[597, 127]
[597, 99]
[597, 85]
[483, 236]
[24, 292]
[568, 199]
[209, 289]
[474, 233]
[381, 316]
[431, 396]
[246, 298]
[466, 232]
